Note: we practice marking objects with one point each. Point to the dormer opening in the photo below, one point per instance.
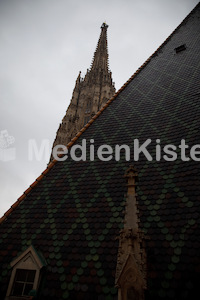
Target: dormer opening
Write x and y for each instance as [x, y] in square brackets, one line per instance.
[180, 48]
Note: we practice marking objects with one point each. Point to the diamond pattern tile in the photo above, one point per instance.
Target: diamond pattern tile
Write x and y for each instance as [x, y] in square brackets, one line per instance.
[75, 212]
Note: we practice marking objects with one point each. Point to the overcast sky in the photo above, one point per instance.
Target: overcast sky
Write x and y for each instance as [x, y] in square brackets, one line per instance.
[43, 46]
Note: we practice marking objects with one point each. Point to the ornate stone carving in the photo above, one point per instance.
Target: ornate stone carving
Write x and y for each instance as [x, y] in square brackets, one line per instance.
[130, 275]
[89, 95]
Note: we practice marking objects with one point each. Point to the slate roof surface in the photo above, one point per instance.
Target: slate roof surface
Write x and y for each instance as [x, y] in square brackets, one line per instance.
[75, 212]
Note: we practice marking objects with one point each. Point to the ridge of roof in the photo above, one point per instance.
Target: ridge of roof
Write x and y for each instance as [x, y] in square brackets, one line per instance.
[71, 143]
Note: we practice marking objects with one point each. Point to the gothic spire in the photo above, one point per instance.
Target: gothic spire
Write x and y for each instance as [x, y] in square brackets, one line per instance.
[99, 71]
[89, 95]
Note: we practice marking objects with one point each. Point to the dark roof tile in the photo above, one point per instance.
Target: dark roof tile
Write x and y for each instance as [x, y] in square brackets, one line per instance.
[74, 211]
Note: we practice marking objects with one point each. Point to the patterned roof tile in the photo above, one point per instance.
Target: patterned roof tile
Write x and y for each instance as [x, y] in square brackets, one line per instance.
[74, 211]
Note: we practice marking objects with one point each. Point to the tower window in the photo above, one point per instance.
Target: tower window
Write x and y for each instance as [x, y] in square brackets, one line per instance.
[180, 48]
[23, 282]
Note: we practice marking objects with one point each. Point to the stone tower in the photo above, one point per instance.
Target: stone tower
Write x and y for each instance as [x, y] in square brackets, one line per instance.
[89, 95]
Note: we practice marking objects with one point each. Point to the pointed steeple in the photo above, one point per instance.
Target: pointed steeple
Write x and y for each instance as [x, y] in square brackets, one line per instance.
[89, 95]
[100, 59]
[99, 71]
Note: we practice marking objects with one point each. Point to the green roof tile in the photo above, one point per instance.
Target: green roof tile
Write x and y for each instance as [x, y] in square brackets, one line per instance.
[74, 214]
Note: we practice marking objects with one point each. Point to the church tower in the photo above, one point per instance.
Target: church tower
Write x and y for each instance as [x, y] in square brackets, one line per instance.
[90, 93]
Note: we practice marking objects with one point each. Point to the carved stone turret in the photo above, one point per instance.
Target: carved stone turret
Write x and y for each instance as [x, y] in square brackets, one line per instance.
[89, 95]
[130, 275]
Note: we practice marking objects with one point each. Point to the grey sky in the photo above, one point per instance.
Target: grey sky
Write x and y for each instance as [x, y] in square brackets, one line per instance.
[43, 46]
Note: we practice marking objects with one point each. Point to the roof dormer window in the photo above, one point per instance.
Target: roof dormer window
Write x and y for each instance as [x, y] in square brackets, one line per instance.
[23, 282]
[26, 274]
[180, 48]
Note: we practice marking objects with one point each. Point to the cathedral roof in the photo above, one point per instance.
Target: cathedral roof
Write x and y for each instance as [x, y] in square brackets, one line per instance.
[73, 213]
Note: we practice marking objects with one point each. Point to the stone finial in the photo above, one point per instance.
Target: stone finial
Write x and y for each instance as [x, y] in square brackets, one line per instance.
[104, 25]
[131, 218]
[131, 175]
[130, 277]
